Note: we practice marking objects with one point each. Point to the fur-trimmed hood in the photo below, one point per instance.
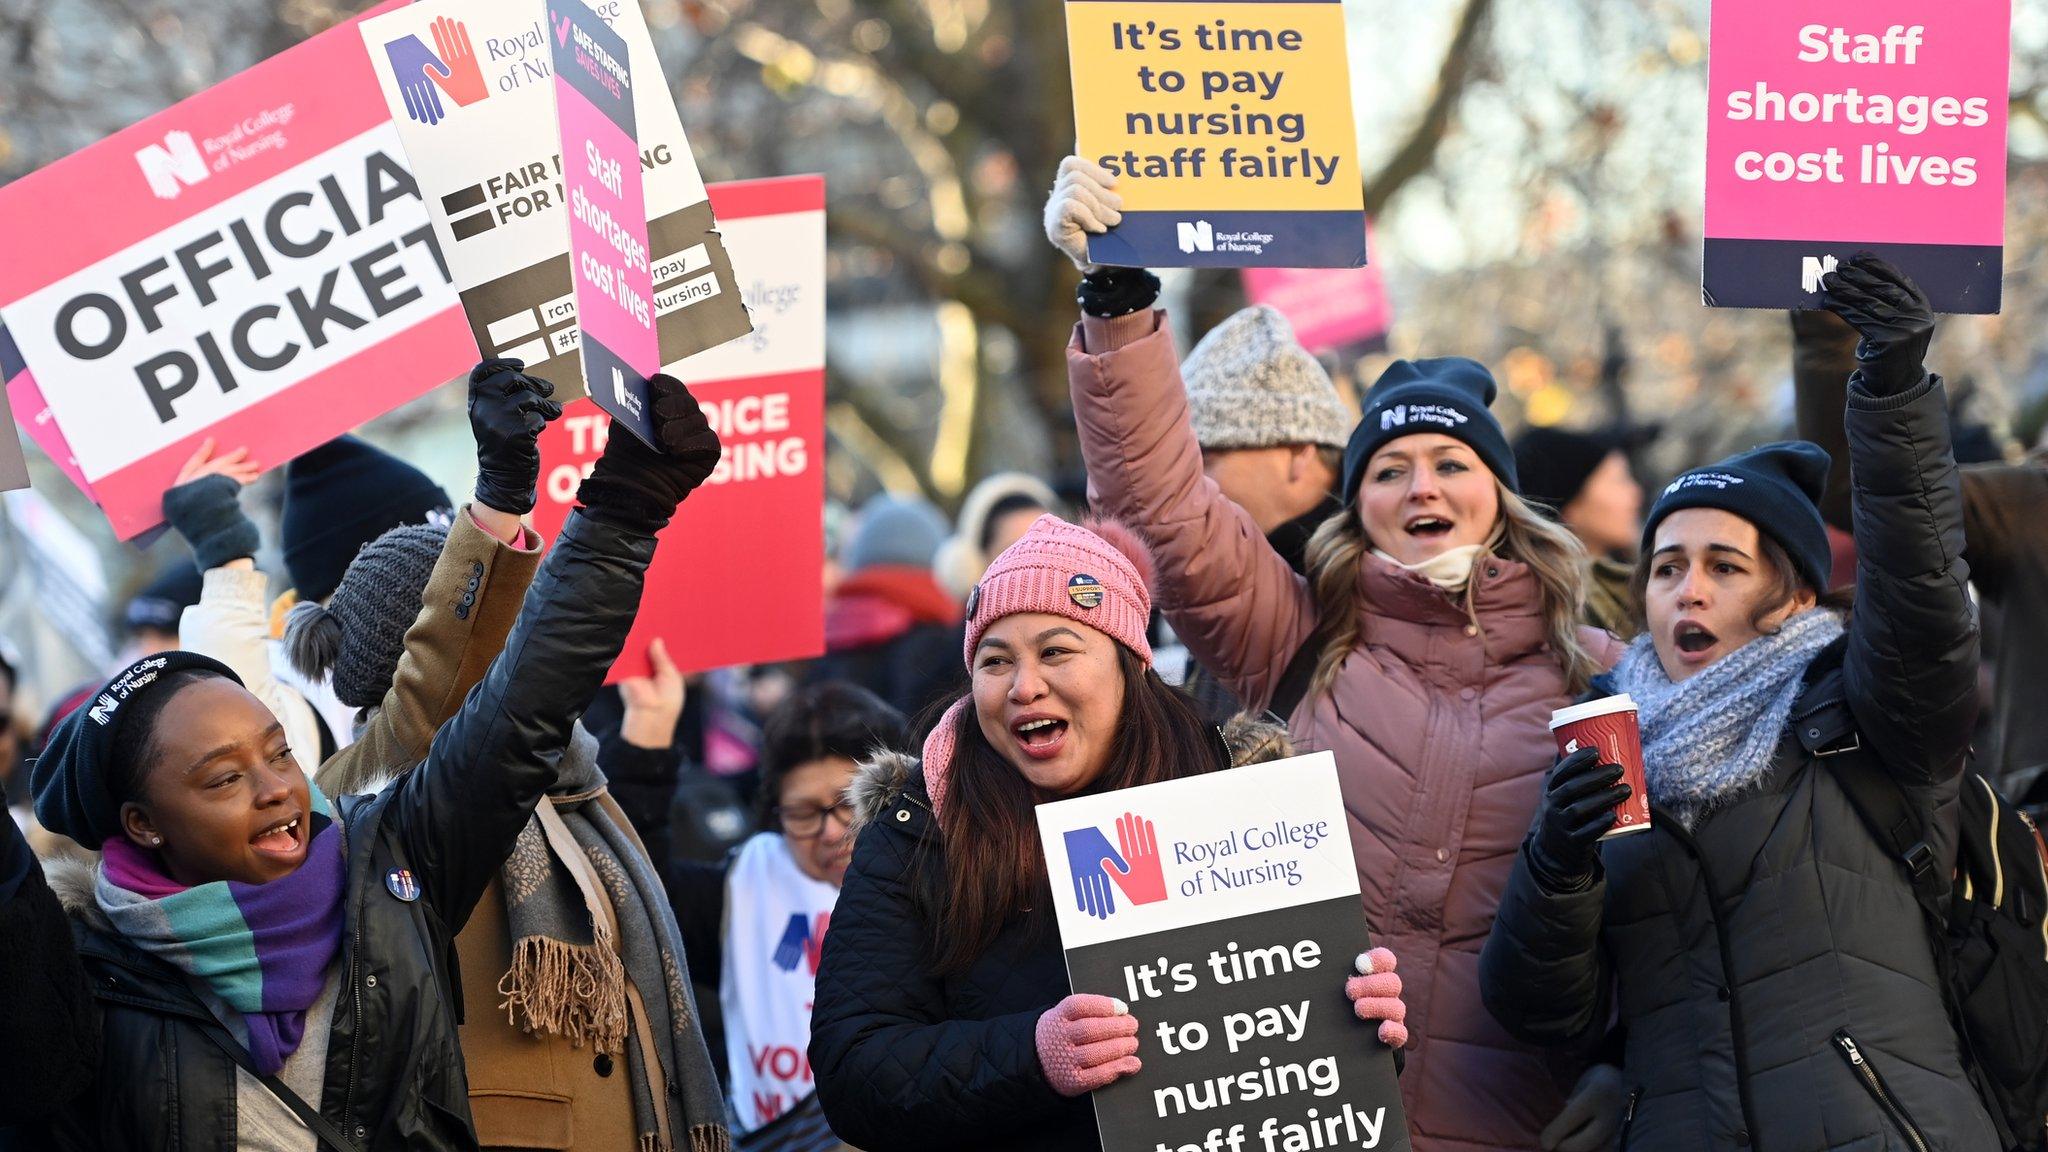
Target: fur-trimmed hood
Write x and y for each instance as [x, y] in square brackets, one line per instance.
[877, 783]
[72, 879]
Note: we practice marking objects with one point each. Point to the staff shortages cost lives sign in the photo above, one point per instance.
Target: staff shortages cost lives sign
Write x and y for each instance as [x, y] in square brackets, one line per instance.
[1834, 128]
[1224, 910]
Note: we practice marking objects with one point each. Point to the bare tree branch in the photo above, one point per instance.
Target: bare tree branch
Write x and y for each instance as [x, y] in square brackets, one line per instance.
[1415, 154]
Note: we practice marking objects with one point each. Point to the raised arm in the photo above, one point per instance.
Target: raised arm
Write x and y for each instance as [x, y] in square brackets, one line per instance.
[466, 613]
[459, 814]
[231, 622]
[1912, 658]
[1230, 597]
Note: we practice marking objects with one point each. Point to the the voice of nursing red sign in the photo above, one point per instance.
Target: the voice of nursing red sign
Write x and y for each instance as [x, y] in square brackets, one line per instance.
[739, 575]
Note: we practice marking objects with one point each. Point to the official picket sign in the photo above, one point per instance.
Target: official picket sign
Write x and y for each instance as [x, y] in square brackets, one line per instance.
[253, 264]
[1228, 126]
[756, 597]
[1224, 909]
[608, 250]
[470, 85]
[1834, 130]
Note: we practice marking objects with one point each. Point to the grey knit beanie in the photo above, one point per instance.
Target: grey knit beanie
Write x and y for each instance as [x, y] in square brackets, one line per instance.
[904, 531]
[359, 634]
[1252, 385]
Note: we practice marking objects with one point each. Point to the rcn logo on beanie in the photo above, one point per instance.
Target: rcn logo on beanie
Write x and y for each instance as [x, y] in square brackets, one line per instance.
[1401, 415]
[1718, 480]
[138, 676]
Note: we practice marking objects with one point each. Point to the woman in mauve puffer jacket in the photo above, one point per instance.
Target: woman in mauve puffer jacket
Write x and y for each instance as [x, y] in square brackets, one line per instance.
[1441, 615]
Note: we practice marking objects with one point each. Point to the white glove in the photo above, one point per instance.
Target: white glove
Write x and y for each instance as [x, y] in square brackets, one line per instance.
[1082, 203]
[1591, 1119]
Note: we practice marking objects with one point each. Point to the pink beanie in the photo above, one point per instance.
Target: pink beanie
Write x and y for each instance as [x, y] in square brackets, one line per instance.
[1091, 576]
[1066, 570]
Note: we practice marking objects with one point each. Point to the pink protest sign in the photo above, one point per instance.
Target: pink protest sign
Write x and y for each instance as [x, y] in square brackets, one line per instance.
[1337, 310]
[759, 597]
[614, 283]
[254, 264]
[1832, 130]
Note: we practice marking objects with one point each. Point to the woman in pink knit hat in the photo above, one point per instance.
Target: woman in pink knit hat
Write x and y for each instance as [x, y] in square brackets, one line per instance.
[943, 1017]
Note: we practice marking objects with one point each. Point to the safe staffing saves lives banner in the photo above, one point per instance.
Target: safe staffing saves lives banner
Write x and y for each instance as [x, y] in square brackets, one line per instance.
[737, 580]
[1228, 126]
[607, 214]
[1224, 910]
[1835, 129]
[253, 264]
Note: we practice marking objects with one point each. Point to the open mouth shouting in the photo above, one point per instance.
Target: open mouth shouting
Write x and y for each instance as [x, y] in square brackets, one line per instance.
[1693, 642]
[1039, 735]
[283, 840]
[1429, 527]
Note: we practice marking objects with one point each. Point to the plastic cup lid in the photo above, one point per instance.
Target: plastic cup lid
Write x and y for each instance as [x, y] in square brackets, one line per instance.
[1591, 708]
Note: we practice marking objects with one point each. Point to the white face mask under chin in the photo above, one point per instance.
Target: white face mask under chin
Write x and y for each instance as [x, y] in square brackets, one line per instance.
[1449, 570]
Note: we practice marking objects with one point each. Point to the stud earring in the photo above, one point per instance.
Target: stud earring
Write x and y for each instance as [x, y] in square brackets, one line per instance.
[156, 841]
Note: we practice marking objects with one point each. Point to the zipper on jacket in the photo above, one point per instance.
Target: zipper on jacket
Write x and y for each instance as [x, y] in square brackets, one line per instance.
[1661, 818]
[1628, 1117]
[355, 999]
[1867, 1072]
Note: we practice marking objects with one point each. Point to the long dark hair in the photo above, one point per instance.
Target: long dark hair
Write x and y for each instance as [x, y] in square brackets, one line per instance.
[994, 868]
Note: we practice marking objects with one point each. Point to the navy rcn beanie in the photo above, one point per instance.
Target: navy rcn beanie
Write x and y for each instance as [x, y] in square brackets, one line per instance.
[1449, 395]
[73, 780]
[1776, 487]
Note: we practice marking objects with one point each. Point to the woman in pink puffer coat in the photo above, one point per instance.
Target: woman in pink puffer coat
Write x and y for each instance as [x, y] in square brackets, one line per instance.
[1440, 617]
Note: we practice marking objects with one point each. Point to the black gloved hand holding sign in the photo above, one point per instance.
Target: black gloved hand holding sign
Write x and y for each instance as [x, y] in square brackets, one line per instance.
[1891, 314]
[634, 486]
[507, 411]
[1578, 809]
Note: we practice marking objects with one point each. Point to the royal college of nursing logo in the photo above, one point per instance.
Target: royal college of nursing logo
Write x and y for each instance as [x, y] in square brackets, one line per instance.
[448, 69]
[1131, 866]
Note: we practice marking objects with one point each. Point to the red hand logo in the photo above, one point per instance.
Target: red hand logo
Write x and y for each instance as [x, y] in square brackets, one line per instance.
[1144, 882]
[464, 82]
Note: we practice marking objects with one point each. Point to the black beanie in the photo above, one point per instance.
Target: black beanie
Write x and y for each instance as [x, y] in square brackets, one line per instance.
[72, 779]
[359, 634]
[1776, 487]
[1450, 396]
[162, 602]
[1555, 464]
[339, 497]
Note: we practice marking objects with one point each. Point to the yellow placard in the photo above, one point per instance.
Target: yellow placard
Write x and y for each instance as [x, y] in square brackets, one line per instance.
[1217, 107]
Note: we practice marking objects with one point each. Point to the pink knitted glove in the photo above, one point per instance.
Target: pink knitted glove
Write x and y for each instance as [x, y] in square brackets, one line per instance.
[1376, 995]
[1086, 1042]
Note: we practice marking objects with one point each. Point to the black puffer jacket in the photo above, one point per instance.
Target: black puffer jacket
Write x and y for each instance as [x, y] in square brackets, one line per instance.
[1773, 971]
[394, 1069]
[907, 1060]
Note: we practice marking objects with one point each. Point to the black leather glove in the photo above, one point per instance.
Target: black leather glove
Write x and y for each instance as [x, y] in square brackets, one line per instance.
[507, 410]
[632, 485]
[207, 512]
[1578, 808]
[1891, 314]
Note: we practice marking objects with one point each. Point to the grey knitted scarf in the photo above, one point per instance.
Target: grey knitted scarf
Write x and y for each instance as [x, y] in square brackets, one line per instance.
[1708, 738]
[572, 976]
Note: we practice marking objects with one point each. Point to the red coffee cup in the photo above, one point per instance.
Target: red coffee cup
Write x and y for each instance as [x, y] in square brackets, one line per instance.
[1610, 725]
